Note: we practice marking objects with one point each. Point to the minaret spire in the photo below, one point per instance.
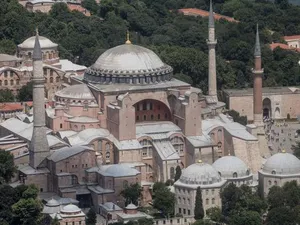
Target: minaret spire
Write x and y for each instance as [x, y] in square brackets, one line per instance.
[39, 147]
[257, 51]
[212, 74]
[257, 83]
[211, 19]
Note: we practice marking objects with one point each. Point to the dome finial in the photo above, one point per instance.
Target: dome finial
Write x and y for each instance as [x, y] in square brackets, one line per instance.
[37, 31]
[199, 161]
[127, 38]
[228, 153]
[283, 150]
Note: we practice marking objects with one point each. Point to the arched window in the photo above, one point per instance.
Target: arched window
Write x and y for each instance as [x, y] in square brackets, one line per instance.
[107, 147]
[51, 79]
[273, 172]
[152, 117]
[275, 182]
[125, 184]
[107, 155]
[74, 180]
[51, 72]
[179, 200]
[82, 127]
[213, 201]
[18, 81]
[235, 175]
[172, 172]
[11, 82]
[0, 82]
[57, 79]
[219, 145]
[183, 199]
[145, 117]
[270, 183]
[5, 82]
[207, 201]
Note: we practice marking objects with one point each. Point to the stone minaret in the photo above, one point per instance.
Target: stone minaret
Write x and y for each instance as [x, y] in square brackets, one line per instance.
[39, 148]
[211, 42]
[257, 83]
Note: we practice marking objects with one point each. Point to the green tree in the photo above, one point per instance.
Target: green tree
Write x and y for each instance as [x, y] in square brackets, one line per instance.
[132, 193]
[230, 196]
[237, 118]
[245, 217]
[280, 215]
[25, 93]
[296, 149]
[7, 167]
[90, 5]
[164, 201]
[177, 173]
[55, 221]
[158, 186]
[7, 47]
[198, 211]
[91, 217]
[215, 214]
[202, 222]
[31, 192]
[145, 221]
[6, 95]
[27, 212]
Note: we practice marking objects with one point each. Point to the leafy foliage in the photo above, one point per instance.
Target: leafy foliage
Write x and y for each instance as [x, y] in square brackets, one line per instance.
[91, 217]
[296, 150]
[7, 167]
[25, 93]
[132, 193]
[237, 118]
[6, 95]
[164, 199]
[198, 211]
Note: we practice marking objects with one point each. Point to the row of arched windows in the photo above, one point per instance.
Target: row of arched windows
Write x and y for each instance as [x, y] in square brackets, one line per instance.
[11, 82]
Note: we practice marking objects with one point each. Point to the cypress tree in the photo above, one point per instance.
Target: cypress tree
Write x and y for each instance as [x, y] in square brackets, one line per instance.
[177, 173]
[198, 211]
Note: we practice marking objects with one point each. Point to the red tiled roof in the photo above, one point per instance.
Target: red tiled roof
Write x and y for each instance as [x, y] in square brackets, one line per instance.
[79, 8]
[6, 107]
[291, 37]
[203, 13]
[283, 46]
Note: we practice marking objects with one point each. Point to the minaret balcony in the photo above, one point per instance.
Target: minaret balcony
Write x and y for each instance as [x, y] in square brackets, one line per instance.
[255, 71]
[213, 42]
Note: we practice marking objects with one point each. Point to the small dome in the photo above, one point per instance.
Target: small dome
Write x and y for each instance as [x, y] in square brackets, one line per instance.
[119, 170]
[282, 163]
[70, 209]
[200, 173]
[78, 91]
[131, 206]
[52, 203]
[118, 64]
[44, 42]
[227, 166]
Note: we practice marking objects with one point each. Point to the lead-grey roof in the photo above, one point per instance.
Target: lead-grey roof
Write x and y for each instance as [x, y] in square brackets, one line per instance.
[78, 91]
[67, 152]
[45, 43]
[265, 91]
[156, 127]
[118, 170]
[165, 150]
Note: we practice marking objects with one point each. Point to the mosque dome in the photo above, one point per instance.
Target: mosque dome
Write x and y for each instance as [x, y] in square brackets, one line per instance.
[119, 170]
[282, 163]
[70, 209]
[131, 206]
[52, 203]
[200, 173]
[44, 42]
[78, 91]
[231, 166]
[128, 63]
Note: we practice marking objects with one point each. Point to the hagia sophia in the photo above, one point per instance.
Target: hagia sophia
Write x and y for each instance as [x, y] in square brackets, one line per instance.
[126, 120]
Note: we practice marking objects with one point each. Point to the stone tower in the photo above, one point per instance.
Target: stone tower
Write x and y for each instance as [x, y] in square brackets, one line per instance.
[39, 148]
[257, 83]
[211, 42]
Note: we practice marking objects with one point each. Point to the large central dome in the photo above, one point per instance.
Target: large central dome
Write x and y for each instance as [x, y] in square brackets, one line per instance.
[130, 64]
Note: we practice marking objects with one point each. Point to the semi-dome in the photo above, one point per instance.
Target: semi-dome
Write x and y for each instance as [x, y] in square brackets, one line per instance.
[78, 91]
[44, 42]
[200, 173]
[282, 163]
[128, 63]
[231, 167]
[70, 209]
[131, 206]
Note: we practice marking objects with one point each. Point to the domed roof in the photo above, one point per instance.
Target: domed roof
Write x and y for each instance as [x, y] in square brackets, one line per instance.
[78, 91]
[52, 203]
[121, 62]
[44, 42]
[119, 170]
[282, 163]
[200, 173]
[228, 165]
[70, 209]
[131, 206]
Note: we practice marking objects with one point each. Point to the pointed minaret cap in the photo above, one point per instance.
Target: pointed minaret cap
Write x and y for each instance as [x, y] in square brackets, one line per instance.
[37, 52]
[211, 19]
[257, 51]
